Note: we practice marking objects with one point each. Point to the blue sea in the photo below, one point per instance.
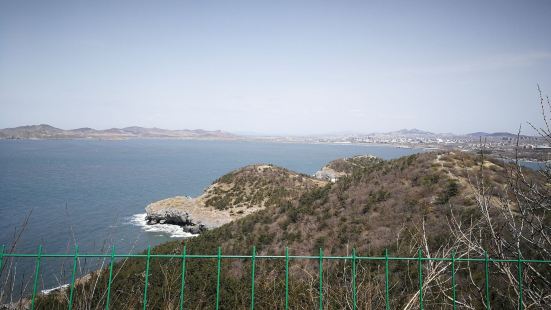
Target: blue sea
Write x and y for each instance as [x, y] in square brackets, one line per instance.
[58, 193]
[94, 192]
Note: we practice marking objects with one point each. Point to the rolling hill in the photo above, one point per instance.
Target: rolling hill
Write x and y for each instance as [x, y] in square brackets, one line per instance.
[399, 205]
[44, 131]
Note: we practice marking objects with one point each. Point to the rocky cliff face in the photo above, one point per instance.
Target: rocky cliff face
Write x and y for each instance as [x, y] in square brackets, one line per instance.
[187, 212]
[232, 196]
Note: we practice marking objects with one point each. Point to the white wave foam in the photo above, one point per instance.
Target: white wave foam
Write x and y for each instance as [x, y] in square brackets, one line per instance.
[174, 231]
[48, 291]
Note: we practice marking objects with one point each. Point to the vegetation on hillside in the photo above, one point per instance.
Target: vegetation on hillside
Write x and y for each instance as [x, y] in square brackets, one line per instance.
[421, 201]
[350, 164]
[257, 186]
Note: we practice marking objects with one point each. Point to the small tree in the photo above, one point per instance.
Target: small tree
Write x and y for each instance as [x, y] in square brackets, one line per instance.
[514, 224]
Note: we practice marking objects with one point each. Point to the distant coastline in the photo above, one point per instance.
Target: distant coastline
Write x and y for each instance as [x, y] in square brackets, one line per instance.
[48, 132]
[499, 144]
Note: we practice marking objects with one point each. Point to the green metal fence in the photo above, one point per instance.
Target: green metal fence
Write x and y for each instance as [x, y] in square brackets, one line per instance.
[184, 256]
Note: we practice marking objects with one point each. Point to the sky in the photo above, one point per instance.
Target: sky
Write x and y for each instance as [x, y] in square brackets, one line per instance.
[275, 67]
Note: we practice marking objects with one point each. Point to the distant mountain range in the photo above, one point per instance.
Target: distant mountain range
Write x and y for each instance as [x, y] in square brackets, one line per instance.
[492, 134]
[423, 133]
[44, 131]
[49, 132]
[413, 131]
[418, 132]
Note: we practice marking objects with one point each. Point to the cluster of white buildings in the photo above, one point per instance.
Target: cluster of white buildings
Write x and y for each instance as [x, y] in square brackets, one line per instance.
[466, 142]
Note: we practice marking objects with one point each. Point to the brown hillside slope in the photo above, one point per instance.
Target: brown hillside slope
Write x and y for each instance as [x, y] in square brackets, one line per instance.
[346, 166]
[400, 205]
[369, 209]
[234, 195]
[257, 187]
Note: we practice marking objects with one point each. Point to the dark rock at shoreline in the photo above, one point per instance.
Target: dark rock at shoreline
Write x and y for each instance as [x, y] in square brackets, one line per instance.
[185, 212]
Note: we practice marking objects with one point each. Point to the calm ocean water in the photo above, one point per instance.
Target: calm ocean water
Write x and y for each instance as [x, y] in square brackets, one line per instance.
[89, 191]
[94, 192]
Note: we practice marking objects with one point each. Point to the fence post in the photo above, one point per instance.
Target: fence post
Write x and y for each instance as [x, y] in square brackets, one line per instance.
[182, 286]
[420, 258]
[75, 262]
[286, 278]
[387, 299]
[110, 278]
[321, 280]
[253, 262]
[420, 279]
[453, 281]
[354, 297]
[1, 257]
[146, 277]
[219, 263]
[520, 302]
[37, 271]
[487, 279]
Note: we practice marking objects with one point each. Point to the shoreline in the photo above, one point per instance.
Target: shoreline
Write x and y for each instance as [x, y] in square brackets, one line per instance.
[423, 148]
[173, 231]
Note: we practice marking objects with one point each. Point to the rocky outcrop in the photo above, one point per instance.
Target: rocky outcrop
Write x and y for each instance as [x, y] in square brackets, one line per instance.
[232, 196]
[328, 174]
[189, 213]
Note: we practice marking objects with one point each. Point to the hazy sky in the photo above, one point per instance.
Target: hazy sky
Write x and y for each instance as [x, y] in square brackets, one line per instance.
[287, 67]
